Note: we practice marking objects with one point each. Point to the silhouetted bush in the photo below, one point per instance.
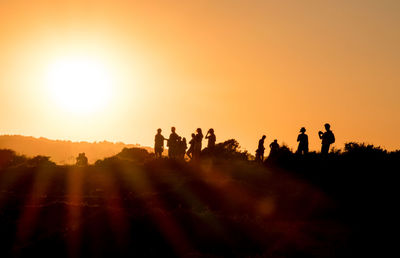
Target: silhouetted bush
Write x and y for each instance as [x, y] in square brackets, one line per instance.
[10, 158]
[229, 149]
[395, 154]
[369, 150]
[40, 161]
[136, 155]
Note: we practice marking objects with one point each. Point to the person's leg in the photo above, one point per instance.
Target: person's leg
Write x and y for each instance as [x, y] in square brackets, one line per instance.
[325, 149]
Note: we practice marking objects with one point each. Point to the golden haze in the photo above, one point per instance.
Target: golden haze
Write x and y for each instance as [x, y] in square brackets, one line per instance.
[244, 68]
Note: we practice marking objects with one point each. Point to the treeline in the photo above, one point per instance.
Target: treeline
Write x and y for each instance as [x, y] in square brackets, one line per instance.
[62, 152]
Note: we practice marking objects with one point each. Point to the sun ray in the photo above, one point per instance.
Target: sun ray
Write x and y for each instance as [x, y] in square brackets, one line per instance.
[33, 205]
[136, 178]
[75, 182]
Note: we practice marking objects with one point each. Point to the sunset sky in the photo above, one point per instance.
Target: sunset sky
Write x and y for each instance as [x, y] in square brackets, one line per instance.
[118, 70]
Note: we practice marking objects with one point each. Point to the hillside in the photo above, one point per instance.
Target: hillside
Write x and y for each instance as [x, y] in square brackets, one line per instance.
[223, 205]
[62, 152]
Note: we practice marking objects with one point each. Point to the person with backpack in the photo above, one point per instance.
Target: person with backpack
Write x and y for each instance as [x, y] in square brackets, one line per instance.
[327, 139]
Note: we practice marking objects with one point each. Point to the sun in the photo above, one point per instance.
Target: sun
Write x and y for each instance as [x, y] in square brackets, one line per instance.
[79, 84]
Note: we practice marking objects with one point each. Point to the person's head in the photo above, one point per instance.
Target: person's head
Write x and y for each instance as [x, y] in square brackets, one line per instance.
[184, 139]
[211, 131]
[173, 129]
[327, 126]
[275, 141]
[263, 137]
[199, 130]
[303, 130]
[159, 130]
[193, 135]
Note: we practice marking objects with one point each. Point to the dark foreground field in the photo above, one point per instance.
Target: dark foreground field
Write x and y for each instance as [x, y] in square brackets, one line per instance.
[337, 206]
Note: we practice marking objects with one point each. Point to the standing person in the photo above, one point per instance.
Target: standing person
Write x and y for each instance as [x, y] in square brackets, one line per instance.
[211, 139]
[159, 143]
[182, 148]
[172, 143]
[81, 160]
[302, 138]
[327, 139]
[198, 143]
[260, 149]
[274, 148]
[192, 143]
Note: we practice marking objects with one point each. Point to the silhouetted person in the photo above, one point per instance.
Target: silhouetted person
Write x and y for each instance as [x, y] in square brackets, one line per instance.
[274, 146]
[211, 139]
[327, 139]
[192, 143]
[159, 144]
[82, 160]
[303, 142]
[260, 149]
[198, 142]
[182, 146]
[172, 143]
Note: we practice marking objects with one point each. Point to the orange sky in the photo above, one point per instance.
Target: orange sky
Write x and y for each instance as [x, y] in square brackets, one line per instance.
[245, 68]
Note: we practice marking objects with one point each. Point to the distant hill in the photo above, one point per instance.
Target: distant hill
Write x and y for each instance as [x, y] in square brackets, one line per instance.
[63, 152]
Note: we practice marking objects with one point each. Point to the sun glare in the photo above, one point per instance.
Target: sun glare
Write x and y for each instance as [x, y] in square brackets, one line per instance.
[79, 85]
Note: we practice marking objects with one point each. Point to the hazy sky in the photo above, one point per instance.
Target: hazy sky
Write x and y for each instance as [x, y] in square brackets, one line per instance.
[245, 68]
